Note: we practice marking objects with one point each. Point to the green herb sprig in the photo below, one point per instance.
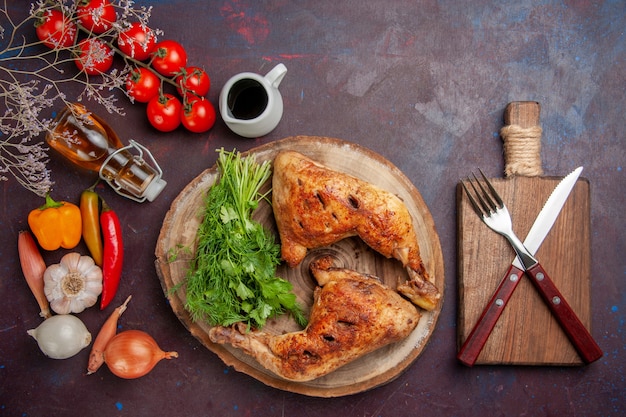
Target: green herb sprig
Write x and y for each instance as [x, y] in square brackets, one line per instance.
[233, 275]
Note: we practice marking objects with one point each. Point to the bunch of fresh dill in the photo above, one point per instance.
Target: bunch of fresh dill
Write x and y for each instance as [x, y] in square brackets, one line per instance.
[233, 275]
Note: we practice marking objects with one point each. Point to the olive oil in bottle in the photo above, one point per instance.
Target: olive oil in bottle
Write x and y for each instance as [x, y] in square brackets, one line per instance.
[87, 141]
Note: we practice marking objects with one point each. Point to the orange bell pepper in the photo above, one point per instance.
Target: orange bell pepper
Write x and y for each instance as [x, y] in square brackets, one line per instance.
[56, 224]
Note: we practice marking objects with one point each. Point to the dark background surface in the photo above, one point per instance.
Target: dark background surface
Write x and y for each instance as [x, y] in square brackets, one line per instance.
[424, 84]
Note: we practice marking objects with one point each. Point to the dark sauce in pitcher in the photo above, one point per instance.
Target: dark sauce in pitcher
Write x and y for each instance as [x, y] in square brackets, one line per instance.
[247, 99]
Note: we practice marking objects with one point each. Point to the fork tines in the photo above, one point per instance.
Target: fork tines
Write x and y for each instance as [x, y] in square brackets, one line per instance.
[486, 204]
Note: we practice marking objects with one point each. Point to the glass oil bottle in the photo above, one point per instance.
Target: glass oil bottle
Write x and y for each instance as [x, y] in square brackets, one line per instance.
[89, 142]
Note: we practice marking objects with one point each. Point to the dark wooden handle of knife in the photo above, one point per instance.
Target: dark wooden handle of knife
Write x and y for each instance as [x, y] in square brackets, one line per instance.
[477, 338]
[576, 331]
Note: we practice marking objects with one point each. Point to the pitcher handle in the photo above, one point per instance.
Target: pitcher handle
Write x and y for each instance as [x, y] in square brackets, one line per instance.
[276, 75]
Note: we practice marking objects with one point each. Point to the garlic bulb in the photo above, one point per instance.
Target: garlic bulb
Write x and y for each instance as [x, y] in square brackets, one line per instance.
[62, 336]
[73, 284]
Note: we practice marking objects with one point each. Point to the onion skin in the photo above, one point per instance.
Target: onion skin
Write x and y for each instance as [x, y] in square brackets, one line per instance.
[106, 333]
[133, 353]
[61, 336]
[33, 267]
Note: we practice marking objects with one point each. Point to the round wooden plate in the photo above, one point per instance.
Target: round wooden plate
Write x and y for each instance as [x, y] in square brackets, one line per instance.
[178, 236]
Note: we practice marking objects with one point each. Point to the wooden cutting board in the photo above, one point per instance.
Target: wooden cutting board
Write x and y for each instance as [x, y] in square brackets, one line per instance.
[526, 333]
[178, 236]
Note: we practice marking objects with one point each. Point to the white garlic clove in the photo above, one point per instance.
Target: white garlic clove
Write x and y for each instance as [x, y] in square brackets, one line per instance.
[61, 305]
[71, 260]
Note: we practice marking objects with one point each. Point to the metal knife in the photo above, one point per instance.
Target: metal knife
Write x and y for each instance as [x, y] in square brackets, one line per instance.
[543, 223]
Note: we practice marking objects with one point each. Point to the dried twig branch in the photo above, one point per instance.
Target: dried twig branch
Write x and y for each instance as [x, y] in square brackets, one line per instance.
[34, 79]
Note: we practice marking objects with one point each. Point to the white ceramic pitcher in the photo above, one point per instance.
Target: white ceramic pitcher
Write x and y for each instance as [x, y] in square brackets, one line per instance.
[250, 104]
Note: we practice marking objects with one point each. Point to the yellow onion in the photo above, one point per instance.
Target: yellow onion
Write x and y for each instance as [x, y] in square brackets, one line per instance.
[133, 353]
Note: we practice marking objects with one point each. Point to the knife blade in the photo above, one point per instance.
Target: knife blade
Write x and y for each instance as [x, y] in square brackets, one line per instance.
[473, 345]
[548, 214]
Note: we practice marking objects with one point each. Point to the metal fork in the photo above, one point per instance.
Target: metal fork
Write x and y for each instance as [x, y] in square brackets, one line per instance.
[493, 212]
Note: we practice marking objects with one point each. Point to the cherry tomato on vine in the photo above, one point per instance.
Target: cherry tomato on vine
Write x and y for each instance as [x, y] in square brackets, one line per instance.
[198, 114]
[169, 57]
[94, 56]
[142, 84]
[194, 80]
[137, 41]
[56, 30]
[163, 112]
[97, 16]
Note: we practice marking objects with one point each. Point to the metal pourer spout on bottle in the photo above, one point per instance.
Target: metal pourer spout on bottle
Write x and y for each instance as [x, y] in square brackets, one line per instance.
[87, 141]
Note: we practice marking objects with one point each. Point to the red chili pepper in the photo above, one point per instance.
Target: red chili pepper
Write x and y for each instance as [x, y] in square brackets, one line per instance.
[113, 254]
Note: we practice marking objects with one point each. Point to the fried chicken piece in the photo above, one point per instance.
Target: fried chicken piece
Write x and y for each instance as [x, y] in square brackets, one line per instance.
[352, 314]
[315, 206]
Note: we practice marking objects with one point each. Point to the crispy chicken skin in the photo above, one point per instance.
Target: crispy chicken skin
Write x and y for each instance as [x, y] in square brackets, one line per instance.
[352, 314]
[315, 206]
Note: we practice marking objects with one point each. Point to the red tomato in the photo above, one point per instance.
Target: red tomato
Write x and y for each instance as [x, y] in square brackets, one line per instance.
[97, 16]
[137, 41]
[142, 84]
[169, 58]
[164, 112]
[56, 30]
[194, 80]
[94, 56]
[198, 116]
